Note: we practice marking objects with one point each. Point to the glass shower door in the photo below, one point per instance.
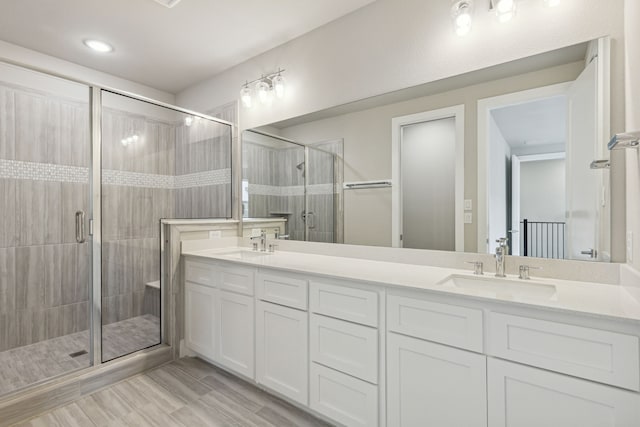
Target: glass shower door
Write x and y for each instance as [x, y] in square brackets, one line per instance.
[45, 250]
[156, 163]
[321, 197]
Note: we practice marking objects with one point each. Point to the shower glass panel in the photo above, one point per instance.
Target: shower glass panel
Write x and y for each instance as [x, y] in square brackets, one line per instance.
[273, 173]
[320, 196]
[45, 259]
[156, 163]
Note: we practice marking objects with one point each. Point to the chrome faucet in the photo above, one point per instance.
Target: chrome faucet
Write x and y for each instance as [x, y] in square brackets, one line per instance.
[501, 255]
[263, 240]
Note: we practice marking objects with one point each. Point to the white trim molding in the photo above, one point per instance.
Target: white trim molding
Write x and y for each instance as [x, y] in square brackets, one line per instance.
[397, 123]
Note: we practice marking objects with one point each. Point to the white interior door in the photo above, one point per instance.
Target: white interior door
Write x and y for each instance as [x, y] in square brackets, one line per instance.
[583, 183]
[428, 181]
[515, 205]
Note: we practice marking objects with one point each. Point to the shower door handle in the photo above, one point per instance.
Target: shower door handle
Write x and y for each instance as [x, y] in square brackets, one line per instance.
[80, 235]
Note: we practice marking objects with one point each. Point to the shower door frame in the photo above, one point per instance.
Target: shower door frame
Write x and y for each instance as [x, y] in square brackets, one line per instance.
[95, 227]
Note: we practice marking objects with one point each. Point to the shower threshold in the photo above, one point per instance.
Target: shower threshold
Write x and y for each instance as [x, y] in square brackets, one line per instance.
[34, 363]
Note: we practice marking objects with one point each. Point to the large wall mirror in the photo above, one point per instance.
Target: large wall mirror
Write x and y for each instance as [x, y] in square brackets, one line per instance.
[517, 150]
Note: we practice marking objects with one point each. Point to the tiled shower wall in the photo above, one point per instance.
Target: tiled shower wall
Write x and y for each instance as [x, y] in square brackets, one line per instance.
[44, 159]
[44, 175]
[132, 210]
[276, 186]
[172, 171]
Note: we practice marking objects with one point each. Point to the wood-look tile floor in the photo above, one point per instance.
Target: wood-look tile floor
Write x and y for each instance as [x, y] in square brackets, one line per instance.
[23, 366]
[184, 393]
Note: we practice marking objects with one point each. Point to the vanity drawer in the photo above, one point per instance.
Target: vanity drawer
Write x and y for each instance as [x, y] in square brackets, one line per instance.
[603, 356]
[200, 272]
[344, 302]
[443, 323]
[345, 399]
[282, 289]
[237, 279]
[347, 347]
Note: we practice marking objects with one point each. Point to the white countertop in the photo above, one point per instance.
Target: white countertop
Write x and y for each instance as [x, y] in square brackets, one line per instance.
[589, 298]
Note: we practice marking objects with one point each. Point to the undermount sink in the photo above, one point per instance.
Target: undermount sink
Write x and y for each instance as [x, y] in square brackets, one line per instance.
[500, 287]
[242, 254]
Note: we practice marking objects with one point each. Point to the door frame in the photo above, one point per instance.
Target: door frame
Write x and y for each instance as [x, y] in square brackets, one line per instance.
[397, 123]
[515, 190]
[484, 110]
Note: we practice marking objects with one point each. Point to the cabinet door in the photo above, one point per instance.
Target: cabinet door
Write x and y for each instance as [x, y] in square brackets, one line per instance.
[235, 334]
[281, 353]
[434, 385]
[522, 396]
[200, 319]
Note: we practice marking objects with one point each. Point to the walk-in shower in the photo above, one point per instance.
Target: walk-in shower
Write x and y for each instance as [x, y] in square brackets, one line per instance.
[86, 174]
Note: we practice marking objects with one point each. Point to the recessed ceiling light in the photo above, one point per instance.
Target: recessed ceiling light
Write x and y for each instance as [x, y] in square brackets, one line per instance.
[98, 46]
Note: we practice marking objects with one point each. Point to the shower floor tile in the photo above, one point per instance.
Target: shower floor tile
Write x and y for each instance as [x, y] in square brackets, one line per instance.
[23, 366]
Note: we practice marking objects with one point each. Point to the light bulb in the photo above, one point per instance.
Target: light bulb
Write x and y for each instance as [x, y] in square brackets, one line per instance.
[188, 121]
[245, 96]
[552, 3]
[263, 89]
[461, 15]
[278, 85]
[505, 10]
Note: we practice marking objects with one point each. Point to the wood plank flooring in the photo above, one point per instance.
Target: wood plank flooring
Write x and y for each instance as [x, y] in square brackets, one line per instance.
[184, 393]
[24, 366]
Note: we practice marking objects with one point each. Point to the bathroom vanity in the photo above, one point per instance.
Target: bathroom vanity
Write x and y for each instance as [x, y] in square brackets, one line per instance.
[369, 343]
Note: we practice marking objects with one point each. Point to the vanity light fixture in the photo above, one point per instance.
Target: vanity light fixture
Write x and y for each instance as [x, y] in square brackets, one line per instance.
[245, 96]
[461, 14]
[505, 9]
[98, 45]
[278, 85]
[264, 88]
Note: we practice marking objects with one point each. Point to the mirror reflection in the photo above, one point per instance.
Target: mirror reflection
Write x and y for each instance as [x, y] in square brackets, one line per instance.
[515, 151]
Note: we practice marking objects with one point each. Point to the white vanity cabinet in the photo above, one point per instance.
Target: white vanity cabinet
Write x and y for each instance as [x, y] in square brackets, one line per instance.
[369, 355]
[345, 352]
[219, 315]
[431, 383]
[282, 335]
[522, 396]
[236, 332]
[200, 319]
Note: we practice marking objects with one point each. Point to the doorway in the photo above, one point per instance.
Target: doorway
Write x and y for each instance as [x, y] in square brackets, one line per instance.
[428, 180]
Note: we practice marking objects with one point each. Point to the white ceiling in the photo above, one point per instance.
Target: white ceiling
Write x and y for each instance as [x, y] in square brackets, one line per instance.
[168, 49]
[541, 122]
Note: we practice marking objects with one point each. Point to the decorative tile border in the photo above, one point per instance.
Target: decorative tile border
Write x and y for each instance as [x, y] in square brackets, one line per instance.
[136, 179]
[202, 179]
[15, 169]
[292, 190]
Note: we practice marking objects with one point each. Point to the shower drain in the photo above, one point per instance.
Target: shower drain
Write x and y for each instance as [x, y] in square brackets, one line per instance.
[78, 353]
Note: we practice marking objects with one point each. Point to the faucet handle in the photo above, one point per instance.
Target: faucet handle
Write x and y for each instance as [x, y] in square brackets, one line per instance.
[478, 267]
[524, 271]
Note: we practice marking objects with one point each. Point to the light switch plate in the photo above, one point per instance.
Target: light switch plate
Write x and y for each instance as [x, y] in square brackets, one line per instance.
[468, 218]
[468, 204]
[215, 234]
